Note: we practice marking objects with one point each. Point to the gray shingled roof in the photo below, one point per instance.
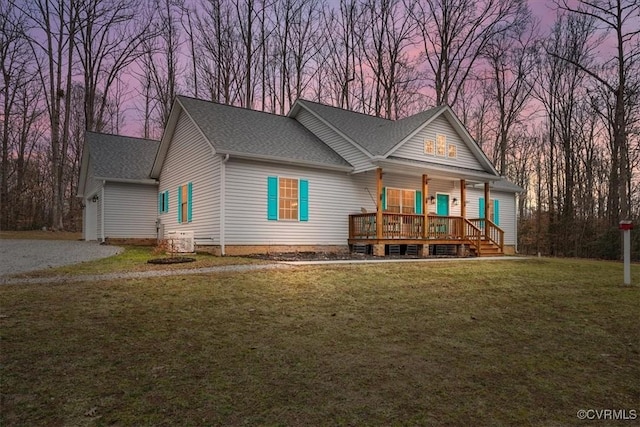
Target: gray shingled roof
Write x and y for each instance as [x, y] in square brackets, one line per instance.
[243, 131]
[374, 134]
[121, 157]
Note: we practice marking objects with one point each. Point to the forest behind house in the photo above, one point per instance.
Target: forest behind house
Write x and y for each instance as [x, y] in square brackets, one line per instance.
[554, 103]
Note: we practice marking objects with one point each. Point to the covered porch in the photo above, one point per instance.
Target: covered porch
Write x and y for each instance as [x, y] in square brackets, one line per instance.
[421, 229]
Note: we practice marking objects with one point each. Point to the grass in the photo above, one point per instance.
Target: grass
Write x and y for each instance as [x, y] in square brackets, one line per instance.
[477, 343]
[134, 258]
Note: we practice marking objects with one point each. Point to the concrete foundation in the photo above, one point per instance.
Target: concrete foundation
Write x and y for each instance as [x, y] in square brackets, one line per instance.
[378, 249]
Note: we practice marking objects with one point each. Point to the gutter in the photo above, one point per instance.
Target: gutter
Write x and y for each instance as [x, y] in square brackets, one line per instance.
[280, 161]
[128, 181]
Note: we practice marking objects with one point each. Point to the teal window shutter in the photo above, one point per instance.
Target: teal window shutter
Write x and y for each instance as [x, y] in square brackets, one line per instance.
[496, 212]
[272, 198]
[384, 198]
[189, 201]
[166, 201]
[481, 211]
[179, 206]
[303, 192]
[419, 202]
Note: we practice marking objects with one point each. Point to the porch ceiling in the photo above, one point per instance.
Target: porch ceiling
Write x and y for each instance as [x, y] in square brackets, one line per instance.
[434, 170]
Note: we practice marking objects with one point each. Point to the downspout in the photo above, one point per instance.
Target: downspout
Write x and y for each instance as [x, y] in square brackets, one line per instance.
[223, 202]
[102, 211]
[515, 225]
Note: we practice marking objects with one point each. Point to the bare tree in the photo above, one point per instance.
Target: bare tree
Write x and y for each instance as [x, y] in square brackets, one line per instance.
[110, 36]
[160, 61]
[454, 33]
[511, 56]
[341, 61]
[618, 75]
[219, 43]
[560, 88]
[386, 35]
[54, 53]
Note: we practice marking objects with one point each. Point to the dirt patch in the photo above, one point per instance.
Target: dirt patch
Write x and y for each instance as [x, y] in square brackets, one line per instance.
[322, 256]
[171, 260]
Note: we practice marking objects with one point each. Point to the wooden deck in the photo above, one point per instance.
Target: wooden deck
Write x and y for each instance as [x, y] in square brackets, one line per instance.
[481, 235]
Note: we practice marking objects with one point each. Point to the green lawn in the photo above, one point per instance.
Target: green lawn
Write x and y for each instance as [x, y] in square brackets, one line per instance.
[134, 258]
[456, 343]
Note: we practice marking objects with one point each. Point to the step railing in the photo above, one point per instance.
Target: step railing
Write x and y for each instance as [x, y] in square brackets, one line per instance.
[474, 235]
[490, 231]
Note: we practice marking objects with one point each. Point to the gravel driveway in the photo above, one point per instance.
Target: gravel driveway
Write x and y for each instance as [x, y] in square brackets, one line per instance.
[19, 256]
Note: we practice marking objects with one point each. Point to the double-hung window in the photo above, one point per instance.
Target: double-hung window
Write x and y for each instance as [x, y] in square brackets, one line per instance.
[163, 202]
[402, 200]
[287, 199]
[185, 203]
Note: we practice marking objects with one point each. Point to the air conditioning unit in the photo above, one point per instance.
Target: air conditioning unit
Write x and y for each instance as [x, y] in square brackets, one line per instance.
[181, 241]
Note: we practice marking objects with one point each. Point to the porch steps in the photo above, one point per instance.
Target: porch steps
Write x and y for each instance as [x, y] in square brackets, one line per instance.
[487, 248]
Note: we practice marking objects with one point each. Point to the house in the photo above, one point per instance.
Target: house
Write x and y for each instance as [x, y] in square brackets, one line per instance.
[320, 179]
[118, 195]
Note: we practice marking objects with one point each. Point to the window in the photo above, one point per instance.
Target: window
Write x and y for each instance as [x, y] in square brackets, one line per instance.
[163, 202]
[441, 145]
[394, 200]
[408, 201]
[185, 202]
[452, 151]
[429, 147]
[287, 199]
[403, 201]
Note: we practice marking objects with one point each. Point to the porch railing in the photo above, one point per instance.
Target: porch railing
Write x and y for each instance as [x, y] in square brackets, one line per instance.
[492, 232]
[394, 226]
[411, 226]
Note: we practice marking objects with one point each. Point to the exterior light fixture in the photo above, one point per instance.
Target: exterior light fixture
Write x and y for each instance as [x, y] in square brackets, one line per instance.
[454, 202]
[432, 200]
[95, 198]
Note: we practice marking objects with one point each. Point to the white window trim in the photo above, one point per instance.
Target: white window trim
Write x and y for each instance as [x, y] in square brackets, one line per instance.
[445, 145]
[450, 144]
[386, 201]
[297, 219]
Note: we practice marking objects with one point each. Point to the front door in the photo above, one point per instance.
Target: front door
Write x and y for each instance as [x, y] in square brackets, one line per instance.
[442, 206]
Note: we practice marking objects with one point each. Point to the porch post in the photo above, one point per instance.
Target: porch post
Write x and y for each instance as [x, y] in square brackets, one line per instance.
[463, 198]
[486, 207]
[379, 206]
[425, 206]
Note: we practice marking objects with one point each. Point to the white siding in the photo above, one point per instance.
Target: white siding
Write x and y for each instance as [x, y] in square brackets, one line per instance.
[330, 137]
[190, 159]
[332, 197]
[414, 147]
[508, 221]
[130, 210]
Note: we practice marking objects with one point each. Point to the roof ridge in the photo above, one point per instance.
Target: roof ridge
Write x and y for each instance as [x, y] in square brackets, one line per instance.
[238, 107]
[348, 111]
[428, 110]
[121, 136]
